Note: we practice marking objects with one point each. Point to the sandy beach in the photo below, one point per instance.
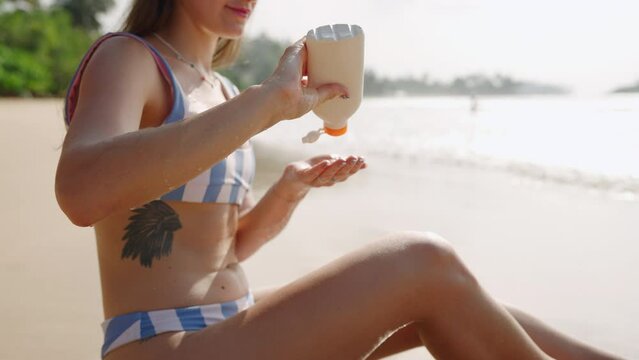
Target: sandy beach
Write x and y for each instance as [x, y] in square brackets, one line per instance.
[567, 254]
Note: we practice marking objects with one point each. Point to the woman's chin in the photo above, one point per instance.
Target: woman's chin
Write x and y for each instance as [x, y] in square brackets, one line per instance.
[237, 31]
[234, 36]
[232, 32]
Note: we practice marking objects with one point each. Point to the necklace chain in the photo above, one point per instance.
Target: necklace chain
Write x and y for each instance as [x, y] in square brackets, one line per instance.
[181, 58]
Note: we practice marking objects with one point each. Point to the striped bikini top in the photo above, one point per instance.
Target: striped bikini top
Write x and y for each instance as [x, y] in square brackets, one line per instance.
[229, 180]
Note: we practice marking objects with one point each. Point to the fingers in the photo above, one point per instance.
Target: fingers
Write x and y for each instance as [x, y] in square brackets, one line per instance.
[330, 91]
[298, 47]
[327, 178]
[294, 56]
[289, 80]
[310, 175]
[305, 58]
[338, 170]
[319, 158]
[353, 165]
[314, 97]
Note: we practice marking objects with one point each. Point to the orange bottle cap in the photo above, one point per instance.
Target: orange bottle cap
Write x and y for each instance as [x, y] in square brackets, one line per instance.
[335, 132]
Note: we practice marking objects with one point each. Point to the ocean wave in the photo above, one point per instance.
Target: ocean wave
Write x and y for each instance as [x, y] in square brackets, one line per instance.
[546, 173]
[565, 140]
[627, 186]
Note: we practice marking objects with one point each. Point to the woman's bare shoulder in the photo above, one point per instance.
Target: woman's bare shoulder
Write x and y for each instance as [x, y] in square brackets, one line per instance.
[121, 55]
[120, 78]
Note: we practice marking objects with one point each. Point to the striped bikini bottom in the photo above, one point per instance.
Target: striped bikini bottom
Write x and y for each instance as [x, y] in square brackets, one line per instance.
[123, 329]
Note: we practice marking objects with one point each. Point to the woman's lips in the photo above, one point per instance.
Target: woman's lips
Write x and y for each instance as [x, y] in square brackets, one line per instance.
[240, 11]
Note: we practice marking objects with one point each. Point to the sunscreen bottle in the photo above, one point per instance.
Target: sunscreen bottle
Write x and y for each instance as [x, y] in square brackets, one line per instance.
[336, 55]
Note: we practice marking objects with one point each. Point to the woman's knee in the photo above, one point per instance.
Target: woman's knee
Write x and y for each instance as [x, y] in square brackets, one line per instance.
[427, 260]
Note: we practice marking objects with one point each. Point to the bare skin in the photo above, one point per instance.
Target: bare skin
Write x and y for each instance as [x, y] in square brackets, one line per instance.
[117, 158]
[553, 343]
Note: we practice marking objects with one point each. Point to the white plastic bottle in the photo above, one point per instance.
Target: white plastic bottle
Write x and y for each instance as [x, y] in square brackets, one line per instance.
[336, 55]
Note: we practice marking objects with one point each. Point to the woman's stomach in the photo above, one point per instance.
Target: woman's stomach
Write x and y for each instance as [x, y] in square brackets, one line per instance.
[199, 267]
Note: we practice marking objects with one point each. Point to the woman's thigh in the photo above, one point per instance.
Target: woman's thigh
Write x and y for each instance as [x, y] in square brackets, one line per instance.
[403, 339]
[341, 311]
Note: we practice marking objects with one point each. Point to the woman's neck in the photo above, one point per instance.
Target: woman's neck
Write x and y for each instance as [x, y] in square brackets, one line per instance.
[194, 43]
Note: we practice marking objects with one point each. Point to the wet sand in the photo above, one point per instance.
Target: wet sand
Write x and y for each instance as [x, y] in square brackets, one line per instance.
[566, 254]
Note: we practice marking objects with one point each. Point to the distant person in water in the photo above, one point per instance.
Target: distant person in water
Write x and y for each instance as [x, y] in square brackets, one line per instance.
[158, 159]
[474, 103]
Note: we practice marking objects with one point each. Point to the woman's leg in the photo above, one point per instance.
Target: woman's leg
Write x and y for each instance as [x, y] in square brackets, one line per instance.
[552, 342]
[403, 339]
[345, 309]
[557, 345]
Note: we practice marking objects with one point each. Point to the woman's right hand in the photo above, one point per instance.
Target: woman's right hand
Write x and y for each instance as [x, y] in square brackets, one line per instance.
[295, 98]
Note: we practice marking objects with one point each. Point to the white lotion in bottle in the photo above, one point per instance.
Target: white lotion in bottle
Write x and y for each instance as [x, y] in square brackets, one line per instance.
[336, 55]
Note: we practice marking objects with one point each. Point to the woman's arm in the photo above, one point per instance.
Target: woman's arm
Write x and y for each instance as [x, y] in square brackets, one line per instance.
[108, 164]
[271, 214]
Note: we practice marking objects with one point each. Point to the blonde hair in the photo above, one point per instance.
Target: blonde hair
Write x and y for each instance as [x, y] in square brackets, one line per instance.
[149, 16]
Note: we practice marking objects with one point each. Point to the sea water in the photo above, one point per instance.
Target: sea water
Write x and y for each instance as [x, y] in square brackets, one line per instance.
[585, 141]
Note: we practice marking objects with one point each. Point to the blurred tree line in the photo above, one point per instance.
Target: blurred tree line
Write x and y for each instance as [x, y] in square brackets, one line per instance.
[258, 58]
[260, 55]
[473, 84]
[40, 47]
[627, 89]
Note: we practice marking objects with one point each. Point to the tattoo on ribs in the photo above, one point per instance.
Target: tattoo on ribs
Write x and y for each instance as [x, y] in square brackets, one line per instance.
[149, 235]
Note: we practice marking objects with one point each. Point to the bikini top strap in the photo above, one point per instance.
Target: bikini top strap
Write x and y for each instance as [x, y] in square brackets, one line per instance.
[74, 88]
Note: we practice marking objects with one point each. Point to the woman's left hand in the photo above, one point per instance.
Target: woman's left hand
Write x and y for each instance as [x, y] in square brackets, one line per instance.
[319, 171]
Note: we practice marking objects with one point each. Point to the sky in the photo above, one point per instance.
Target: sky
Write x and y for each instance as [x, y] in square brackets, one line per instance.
[586, 45]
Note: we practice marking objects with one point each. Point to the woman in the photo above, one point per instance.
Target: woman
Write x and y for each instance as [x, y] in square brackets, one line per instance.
[157, 159]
